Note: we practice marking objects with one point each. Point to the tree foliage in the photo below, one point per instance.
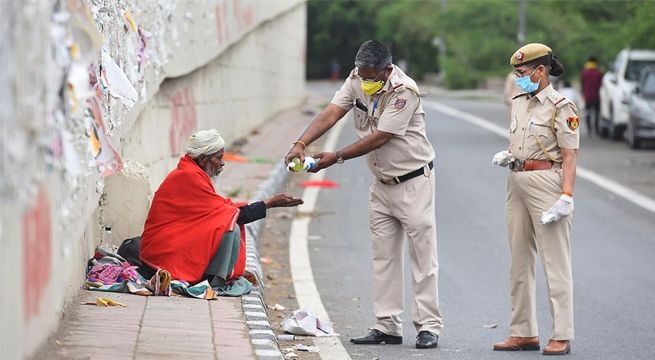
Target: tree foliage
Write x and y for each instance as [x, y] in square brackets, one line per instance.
[480, 35]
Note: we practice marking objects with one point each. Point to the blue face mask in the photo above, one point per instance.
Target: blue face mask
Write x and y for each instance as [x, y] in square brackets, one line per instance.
[525, 84]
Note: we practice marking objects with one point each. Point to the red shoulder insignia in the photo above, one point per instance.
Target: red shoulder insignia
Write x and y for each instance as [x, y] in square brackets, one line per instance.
[573, 122]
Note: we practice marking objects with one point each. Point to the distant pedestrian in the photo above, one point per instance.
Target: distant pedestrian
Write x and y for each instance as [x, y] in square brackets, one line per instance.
[590, 80]
[335, 70]
[390, 123]
[543, 143]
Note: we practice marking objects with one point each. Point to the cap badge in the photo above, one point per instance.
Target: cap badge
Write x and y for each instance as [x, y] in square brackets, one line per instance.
[519, 55]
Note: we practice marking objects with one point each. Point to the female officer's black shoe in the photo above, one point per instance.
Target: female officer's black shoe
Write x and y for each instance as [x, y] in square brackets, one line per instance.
[426, 340]
[375, 337]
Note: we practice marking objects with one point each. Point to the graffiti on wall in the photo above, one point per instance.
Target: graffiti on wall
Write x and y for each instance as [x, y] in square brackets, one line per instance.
[242, 18]
[36, 253]
[184, 119]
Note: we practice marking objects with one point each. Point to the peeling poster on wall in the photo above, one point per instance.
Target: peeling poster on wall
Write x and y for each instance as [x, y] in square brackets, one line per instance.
[114, 79]
[106, 157]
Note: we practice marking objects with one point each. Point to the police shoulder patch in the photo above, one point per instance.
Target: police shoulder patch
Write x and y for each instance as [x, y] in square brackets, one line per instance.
[400, 103]
[573, 122]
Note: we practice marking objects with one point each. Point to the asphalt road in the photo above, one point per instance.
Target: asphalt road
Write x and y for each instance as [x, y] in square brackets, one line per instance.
[613, 247]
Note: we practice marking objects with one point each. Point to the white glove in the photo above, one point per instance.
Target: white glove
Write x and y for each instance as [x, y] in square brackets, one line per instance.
[562, 208]
[503, 158]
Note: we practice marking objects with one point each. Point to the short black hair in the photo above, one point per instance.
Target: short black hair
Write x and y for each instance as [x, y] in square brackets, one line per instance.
[373, 54]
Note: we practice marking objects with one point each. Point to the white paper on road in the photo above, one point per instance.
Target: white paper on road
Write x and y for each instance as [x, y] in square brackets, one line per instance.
[305, 322]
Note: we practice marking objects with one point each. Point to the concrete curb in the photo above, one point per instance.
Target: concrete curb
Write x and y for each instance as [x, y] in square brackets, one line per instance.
[254, 306]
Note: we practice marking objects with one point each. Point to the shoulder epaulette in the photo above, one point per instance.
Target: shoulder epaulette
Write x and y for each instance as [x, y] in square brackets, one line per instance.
[519, 95]
[558, 99]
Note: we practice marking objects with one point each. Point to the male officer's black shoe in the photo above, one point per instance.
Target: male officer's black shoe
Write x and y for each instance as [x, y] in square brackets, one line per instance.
[375, 337]
[426, 340]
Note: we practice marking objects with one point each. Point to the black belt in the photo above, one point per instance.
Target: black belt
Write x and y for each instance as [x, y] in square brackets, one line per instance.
[411, 175]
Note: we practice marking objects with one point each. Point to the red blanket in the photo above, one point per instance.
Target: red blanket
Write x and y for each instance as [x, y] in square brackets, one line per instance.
[186, 222]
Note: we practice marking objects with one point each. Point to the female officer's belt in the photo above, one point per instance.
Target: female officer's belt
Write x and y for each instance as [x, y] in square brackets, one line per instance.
[530, 164]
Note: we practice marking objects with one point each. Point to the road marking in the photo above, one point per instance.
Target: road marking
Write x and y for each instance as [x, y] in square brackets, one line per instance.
[591, 176]
[300, 264]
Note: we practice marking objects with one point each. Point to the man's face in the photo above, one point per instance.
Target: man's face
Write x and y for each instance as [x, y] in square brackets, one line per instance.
[213, 164]
[369, 74]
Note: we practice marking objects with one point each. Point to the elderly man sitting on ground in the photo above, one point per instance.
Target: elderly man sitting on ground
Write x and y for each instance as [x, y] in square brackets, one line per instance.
[193, 232]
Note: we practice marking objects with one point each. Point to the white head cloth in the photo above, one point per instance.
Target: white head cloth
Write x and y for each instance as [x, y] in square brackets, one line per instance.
[204, 142]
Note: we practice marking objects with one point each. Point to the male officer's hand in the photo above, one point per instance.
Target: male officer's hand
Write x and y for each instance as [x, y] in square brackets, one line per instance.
[502, 158]
[297, 151]
[562, 208]
[324, 160]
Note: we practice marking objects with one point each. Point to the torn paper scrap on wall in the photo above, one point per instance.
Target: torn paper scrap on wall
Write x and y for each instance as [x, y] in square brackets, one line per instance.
[84, 44]
[106, 157]
[114, 79]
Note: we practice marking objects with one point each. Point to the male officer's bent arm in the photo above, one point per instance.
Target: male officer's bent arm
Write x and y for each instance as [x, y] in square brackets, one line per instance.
[323, 122]
[569, 158]
[363, 146]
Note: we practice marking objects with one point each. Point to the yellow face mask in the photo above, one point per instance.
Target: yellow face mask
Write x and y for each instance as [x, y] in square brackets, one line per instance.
[371, 87]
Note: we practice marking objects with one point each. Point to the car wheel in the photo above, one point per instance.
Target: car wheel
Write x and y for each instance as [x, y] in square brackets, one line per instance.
[615, 131]
[601, 128]
[631, 137]
[605, 124]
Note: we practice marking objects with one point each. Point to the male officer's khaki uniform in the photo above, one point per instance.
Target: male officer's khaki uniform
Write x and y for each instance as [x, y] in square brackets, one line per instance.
[534, 134]
[399, 209]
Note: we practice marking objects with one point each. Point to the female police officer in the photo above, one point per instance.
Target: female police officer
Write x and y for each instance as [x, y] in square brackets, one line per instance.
[542, 158]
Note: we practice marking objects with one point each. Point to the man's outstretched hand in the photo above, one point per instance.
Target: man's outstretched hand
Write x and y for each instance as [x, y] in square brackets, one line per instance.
[282, 200]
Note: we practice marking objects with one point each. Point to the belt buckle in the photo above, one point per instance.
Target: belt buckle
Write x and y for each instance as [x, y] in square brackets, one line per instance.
[516, 165]
[396, 180]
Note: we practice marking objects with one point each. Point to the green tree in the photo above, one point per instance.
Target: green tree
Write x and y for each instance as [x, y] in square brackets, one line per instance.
[480, 35]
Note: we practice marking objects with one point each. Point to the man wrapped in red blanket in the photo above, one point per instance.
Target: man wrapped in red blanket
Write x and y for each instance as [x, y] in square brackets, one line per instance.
[193, 232]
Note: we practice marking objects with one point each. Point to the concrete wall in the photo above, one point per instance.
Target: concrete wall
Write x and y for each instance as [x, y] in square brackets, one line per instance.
[133, 79]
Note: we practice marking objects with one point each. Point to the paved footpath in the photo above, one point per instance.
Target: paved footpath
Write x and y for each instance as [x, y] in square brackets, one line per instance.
[177, 327]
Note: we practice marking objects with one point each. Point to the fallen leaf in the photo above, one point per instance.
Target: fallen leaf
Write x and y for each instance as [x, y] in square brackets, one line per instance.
[278, 307]
[104, 302]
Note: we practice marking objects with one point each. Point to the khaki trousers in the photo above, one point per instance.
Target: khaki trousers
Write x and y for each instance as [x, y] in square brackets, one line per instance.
[395, 211]
[530, 193]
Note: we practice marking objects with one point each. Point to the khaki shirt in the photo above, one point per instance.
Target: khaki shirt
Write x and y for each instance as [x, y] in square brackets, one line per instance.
[395, 109]
[531, 120]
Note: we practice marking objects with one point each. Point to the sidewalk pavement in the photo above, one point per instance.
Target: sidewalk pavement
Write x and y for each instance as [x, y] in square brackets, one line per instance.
[177, 327]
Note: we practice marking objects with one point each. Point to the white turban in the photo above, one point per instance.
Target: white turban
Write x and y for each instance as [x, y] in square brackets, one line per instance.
[204, 142]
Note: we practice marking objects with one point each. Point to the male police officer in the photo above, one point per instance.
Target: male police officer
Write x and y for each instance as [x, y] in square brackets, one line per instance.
[390, 124]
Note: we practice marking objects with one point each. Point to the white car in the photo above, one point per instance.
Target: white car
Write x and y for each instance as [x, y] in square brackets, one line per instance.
[618, 84]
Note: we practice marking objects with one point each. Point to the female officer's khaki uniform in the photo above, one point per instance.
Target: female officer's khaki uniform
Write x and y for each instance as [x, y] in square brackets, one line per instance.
[540, 126]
